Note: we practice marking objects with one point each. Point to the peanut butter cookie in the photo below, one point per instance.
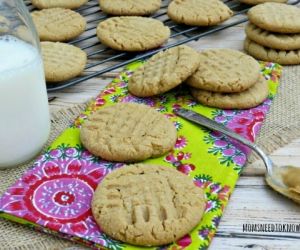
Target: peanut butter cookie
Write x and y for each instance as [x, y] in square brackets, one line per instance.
[164, 71]
[57, 24]
[271, 39]
[68, 4]
[62, 61]
[132, 33]
[129, 7]
[199, 12]
[276, 17]
[284, 57]
[249, 98]
[128, 132]
[147, 205]
[225, 70]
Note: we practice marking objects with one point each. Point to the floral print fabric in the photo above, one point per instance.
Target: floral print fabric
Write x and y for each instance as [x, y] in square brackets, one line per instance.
[55, 194]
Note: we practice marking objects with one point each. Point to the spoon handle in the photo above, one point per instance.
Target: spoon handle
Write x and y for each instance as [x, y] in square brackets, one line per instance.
[208, 123]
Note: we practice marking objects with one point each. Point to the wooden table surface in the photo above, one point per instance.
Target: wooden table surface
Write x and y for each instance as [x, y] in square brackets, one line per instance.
[252, 200]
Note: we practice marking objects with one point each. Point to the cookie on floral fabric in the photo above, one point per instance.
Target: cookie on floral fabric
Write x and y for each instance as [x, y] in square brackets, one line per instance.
[128, 132]
[147, 205]
[225, 70]
[164, 71]
[249, 98]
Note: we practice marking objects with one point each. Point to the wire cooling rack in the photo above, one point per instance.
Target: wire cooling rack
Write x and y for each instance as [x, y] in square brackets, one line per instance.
[106, 59]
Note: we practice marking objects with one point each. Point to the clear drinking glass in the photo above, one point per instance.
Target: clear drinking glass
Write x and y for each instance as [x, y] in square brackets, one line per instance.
[24, 111]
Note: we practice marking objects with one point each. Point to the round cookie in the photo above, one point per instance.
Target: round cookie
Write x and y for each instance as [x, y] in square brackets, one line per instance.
[199, 12]
[284, 57]
[132, 33]
[225, 70]
[276, 17]
[249, 98]
[254, 2]
[68, 4]
[128, 132]
[273, 40]
[57, 24]
[62, 61]
[164, 71]
[147, 205]
[129, 7]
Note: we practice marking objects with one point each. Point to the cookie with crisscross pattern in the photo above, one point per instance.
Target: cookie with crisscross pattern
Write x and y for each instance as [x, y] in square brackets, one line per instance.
[199, 12]
[62, 61]
[276, 17]
[147, 205]
[129, 7]
[132, 33]
[164, 71]
[57, 24]
[225, 70]
[128, 132]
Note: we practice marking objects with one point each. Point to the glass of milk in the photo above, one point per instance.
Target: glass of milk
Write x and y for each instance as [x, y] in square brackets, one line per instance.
[24, 112]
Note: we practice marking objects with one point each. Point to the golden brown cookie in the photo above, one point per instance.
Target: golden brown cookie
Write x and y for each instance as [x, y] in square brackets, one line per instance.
[147, 205]
[271, 39]
[62, 61]
[254, 2]
[164, 71]
[276, 17]
[284, 57]
[132, 33]
[225, 70]
[128, 132]
[199, 12]
[129, 7]
[68, 4]
[57, 24]
[249, 98]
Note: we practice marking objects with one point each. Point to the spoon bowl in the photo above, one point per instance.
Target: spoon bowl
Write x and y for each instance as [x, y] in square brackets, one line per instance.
[283, 179]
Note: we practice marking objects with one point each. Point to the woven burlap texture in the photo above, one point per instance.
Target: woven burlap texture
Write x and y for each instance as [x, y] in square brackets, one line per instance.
[281, 126]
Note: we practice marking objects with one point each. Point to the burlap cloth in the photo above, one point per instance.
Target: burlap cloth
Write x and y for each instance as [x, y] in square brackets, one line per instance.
[281, 126]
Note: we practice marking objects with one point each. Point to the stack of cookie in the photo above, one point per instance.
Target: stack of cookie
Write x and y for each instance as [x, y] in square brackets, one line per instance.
[228, 79]
[273, 33]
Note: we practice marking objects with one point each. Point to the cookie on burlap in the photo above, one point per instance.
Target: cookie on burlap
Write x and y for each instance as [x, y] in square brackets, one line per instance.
[147, 205]
[164, 71]
[57, 24]
[284, 57]
[132, 33]
[129, 7]
[276, 17]
[68, 4]
[199, 12]
[271, 39]
[225, 70]
[128, 132]
[249, 98]
[62, 61]
[253, 2]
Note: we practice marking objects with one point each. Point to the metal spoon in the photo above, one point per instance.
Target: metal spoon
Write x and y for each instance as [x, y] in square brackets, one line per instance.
[274, 175]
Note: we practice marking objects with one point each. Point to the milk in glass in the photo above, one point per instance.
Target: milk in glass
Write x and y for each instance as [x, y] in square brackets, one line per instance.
[24, 113]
